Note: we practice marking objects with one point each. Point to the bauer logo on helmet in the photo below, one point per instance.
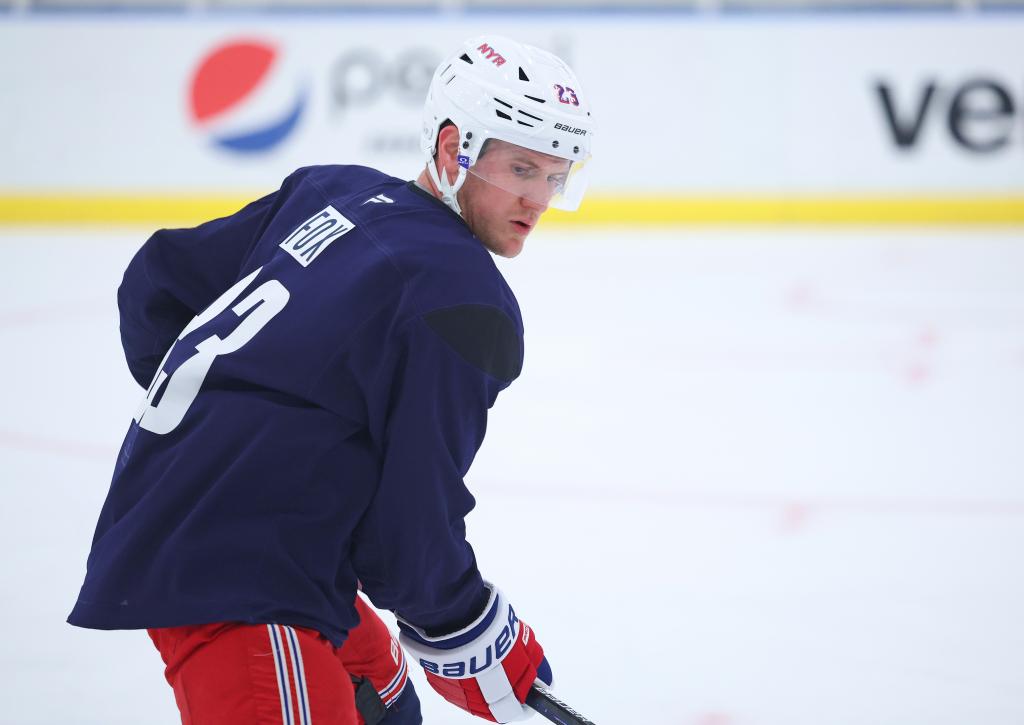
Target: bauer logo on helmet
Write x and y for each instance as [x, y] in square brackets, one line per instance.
[575, 130]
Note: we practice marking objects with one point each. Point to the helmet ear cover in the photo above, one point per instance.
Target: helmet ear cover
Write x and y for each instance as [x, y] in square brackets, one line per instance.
[467, 144]
[448, 189]
[437, 136]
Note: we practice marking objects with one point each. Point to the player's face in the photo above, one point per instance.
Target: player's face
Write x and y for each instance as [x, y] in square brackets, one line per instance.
[506, 192]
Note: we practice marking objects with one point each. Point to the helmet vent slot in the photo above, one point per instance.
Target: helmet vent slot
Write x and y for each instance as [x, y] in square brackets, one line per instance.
[522, 75]
[534, 98]
[524, 123]
[530, 115]
[501, 114]
[505, 104]
[466, 58]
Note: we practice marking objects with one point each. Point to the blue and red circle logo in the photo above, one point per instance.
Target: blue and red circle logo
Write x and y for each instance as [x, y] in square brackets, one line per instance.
[243, 97]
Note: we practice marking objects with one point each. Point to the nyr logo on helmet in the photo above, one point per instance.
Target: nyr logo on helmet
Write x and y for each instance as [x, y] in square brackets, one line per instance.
[492, 55]
[244, 98]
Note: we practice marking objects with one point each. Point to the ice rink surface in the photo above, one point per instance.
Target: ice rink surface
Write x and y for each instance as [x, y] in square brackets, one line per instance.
[746, 478]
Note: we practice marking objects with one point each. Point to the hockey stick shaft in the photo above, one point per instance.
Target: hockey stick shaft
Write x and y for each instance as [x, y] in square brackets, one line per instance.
[546, 704]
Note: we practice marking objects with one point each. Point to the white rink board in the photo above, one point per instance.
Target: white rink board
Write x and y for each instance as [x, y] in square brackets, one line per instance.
[685, 104]
[766, 478]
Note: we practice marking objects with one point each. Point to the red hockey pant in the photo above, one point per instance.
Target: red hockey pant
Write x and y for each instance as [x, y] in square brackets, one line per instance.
[271, 674]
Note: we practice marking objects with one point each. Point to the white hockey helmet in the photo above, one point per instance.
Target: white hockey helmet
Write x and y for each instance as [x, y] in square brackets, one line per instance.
[496, 88]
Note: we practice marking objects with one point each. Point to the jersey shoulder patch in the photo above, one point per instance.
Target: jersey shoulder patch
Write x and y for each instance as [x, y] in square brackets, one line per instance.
[483, 336]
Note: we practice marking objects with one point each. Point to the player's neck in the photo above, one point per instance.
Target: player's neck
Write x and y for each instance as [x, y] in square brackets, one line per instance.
[427, 184]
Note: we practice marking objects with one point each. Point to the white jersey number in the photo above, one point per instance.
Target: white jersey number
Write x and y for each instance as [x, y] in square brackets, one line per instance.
[184, 383]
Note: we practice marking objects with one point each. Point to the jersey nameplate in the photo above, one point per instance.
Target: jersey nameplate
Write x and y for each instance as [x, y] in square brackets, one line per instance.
[315, 234]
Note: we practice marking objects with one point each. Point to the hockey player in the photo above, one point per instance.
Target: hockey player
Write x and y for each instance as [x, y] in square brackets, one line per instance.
[319, 367]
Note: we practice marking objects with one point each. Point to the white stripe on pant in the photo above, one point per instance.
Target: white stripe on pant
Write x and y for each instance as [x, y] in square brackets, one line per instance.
[300, 676]
[281, 637]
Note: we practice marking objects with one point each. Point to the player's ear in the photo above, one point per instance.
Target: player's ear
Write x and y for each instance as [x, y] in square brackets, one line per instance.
[448, 151]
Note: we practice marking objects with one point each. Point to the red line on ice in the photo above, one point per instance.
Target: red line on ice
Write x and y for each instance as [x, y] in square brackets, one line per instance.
[794, 509]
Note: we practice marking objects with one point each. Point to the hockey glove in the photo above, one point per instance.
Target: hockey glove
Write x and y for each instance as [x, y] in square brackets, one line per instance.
[486, 668]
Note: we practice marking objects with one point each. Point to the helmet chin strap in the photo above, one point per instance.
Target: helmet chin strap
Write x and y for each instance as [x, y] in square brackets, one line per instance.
[448, 191]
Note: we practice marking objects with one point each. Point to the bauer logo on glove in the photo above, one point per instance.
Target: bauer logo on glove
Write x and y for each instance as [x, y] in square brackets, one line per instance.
[458, 669]
[486, 668]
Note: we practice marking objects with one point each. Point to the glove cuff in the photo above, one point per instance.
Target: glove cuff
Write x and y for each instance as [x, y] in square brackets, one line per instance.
[470, 651]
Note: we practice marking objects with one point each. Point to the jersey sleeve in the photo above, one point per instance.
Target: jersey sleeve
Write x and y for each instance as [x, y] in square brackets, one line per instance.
[177, 273]
[411, 552]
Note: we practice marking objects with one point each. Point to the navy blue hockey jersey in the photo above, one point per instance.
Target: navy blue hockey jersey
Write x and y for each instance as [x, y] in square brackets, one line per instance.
[319, 369]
